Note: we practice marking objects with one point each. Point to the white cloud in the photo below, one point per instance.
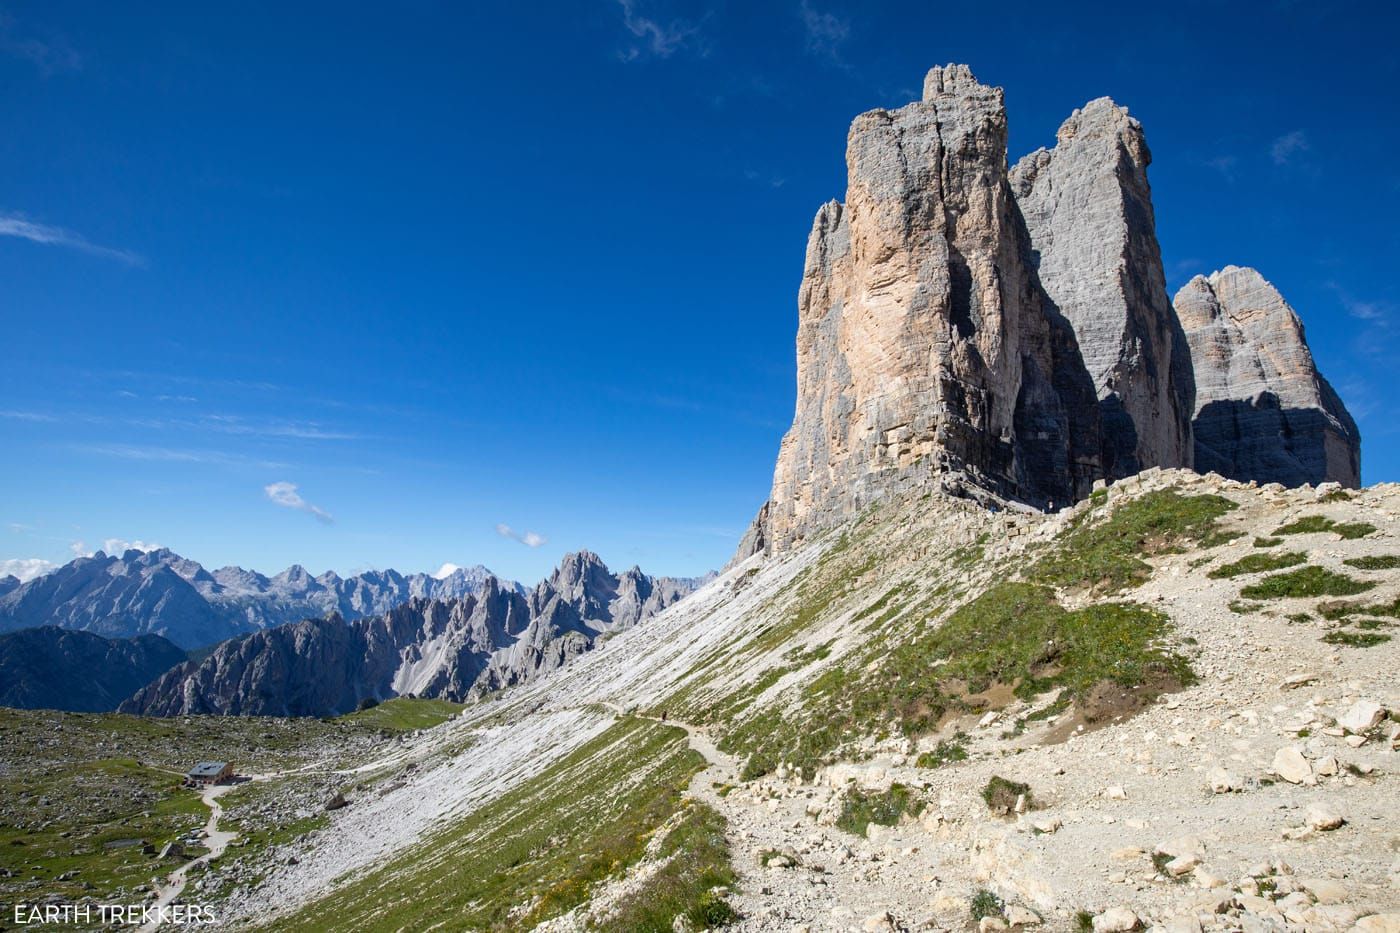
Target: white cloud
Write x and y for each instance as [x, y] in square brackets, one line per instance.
[26, 568]
[50, 56]
[655, 39]
[445, 571]
[119, 546]
[1287, 146]
[285, 494]
[113, 547]
[16, 226]
[527, 538]
[825, 31]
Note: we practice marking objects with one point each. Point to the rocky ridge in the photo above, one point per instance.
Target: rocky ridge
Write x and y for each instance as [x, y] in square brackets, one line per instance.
[160, 592]
[453, 648]
[53, 668]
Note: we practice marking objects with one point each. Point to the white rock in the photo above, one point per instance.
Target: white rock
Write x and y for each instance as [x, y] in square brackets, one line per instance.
[1290, 765]
[1363, 716]
[1181, 865]
[1323, 818]
[1223, 782]
[1379, 923]
[1116, 920]
[1019, 916]
[1115, 792]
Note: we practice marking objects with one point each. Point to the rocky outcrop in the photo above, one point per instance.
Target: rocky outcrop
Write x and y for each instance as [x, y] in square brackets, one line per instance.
[925, 347]
[456, 648]
[1263, 411]
[158, 591]
[1007, 335]
[52, 668]
[1088, 209]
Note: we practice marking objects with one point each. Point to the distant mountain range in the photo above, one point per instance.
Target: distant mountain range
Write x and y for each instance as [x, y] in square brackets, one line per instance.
[493, 637]
[54, 668]
[160, 592]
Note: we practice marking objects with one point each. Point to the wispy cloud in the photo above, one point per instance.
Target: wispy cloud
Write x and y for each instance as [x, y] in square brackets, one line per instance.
[1225, 165]
[51, 56]
[527, 538]
[653, 38]
[826, 32]
[25, 568]
[14, 225]
[16, 415]
[176, 455]
[285, 494]
[1288, 146]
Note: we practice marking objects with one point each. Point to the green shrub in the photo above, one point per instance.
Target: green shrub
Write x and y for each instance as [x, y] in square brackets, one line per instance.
[1001, 795]
[884, 809]
[1307, 581]
[1267, 542]
[985, 903]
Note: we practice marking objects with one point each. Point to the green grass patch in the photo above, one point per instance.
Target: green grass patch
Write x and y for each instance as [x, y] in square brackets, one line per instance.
[885, 809]
[1106, 554]
[1356, 639]
[535, 851]
[1267, 542]
[947, 752]
[1305, 582]
[1315, 524]
[406, 714]
[697, 861]
[1258, 563]
[1335, 611]
[1374, 562]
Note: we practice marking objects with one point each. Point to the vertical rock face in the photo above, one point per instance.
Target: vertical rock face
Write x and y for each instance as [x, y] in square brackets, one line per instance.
[924, 344]
[1263, 411]
[1088, 208]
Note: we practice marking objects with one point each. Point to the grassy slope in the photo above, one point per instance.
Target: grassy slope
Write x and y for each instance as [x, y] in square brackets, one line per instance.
[533, 853]
[926, 647]
[405, 714]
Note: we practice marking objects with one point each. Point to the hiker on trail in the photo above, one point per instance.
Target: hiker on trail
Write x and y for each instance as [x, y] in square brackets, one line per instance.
[663, 715]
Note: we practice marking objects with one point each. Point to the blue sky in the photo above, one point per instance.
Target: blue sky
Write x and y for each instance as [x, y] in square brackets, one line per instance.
[365, 287]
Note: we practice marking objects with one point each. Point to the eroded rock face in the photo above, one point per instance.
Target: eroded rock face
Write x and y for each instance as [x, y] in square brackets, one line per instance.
[1263, 411]
[924, 347]
[1088, 209]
